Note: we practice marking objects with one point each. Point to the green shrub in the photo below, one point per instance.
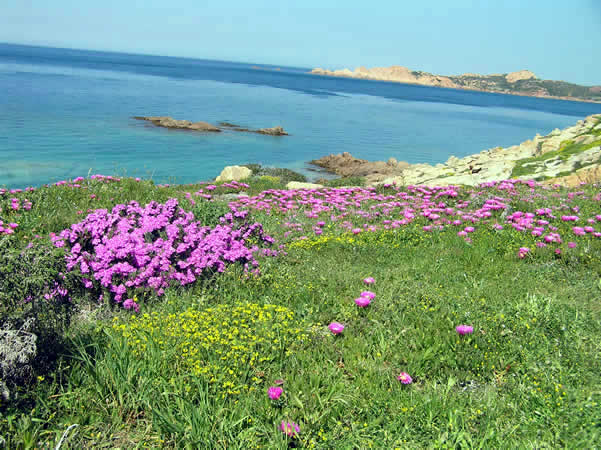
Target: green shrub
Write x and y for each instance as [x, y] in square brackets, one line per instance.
[285, 175]
[209, 213]
[35, 291]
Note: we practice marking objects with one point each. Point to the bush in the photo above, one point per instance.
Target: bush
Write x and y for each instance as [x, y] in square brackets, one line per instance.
[209, 213]
[35, 308]
[285, 175]
[136, 251]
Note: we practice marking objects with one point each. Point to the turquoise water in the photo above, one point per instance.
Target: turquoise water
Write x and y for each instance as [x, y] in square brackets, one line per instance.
[66, 113]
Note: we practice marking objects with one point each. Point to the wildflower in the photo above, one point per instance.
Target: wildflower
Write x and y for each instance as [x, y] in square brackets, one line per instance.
[464, 329]
[523, 251]
[290, 429]
[362, 302]
[369, 280]
[368, 294]
[571, 244]
[274, 392]
[405, 378]
[336, 328]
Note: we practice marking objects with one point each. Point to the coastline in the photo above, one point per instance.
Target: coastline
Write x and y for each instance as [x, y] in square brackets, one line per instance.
[346, 73]
[573, 152]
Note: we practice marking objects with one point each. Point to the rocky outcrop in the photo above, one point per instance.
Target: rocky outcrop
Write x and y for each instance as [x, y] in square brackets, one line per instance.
[169, 122]
[234, 173]
[519, 75]
[275, 131]
[346, 165]
[397, 74]
[559, 153]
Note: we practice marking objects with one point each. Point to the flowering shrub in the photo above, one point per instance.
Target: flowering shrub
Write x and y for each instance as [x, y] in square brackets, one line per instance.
[225, 345]
[134, 249]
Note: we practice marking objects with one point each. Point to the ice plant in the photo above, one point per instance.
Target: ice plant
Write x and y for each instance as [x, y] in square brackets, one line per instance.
[405, 378]
[290, 429]
[336, 328]
[368, 294]
[134, 248]
[369, 280]
[274, 392]
[523, 252]
[464, 329]
[362, 302]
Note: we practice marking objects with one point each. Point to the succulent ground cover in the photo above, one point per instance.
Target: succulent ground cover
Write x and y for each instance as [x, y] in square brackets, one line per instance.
[381, 317]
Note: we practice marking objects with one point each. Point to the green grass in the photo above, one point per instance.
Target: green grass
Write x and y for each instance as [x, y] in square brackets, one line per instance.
[528, 377]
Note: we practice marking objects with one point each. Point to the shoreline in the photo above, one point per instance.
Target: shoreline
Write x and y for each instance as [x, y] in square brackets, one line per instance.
[351, 75]
[574, 151]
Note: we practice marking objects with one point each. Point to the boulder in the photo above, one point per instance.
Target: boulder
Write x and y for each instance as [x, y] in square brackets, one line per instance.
[234, 173]
[299, 185]
[345, 165]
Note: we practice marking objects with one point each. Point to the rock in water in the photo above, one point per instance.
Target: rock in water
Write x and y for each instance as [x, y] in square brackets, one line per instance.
[275, 131]
[170, 122]
[234, 173]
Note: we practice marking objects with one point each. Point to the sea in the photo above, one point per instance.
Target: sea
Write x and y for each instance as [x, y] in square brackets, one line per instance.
[66, 113]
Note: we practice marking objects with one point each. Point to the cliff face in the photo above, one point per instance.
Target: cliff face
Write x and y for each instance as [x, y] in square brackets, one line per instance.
[522, 82]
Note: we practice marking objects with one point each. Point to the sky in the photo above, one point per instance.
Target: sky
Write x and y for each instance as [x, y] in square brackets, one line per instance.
[556, 39]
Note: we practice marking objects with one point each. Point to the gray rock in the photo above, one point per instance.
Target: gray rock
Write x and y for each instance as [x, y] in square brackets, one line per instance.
[299, 185]
[234, 173]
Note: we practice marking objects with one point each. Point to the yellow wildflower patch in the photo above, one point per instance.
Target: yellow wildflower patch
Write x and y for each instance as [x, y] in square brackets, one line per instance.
[226, 344]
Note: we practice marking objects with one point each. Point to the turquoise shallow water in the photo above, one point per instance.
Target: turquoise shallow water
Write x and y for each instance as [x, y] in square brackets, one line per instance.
[65, 113]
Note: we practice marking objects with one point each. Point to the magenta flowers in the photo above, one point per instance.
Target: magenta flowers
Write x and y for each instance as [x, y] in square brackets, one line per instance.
[369, 280]
[336, 328]
[362, 302]
[290, 429]
[464, 329]
[368, 294]
[404, 378]
[134, 248]
[274, 392]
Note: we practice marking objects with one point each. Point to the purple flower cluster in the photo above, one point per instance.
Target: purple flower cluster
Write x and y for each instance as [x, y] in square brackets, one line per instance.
[139, 249]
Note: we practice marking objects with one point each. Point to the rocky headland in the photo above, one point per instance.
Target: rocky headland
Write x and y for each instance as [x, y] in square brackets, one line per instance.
[169, 122]
[567, 156]
[522, 82]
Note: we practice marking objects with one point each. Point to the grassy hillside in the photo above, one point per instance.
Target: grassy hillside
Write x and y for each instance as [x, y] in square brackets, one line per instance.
[517, 262]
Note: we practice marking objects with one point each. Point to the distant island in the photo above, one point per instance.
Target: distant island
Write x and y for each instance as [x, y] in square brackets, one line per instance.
[522, 82]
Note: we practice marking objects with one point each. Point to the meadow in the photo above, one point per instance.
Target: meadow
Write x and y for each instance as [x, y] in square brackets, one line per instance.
[245, 315]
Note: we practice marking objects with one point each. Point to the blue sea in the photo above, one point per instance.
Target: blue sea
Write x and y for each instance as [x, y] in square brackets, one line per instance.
[66, 113]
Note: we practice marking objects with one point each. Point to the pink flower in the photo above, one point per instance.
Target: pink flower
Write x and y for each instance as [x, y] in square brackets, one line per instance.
[369, 280]
[336, 328]
[290, 429]
[464, 329]
[405, 378]
[571, 244]
[368, 294]
[274, 392]
[523, 251]
[362, 302]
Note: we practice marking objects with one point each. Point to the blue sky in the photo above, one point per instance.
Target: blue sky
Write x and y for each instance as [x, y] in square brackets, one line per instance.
[556, 39]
